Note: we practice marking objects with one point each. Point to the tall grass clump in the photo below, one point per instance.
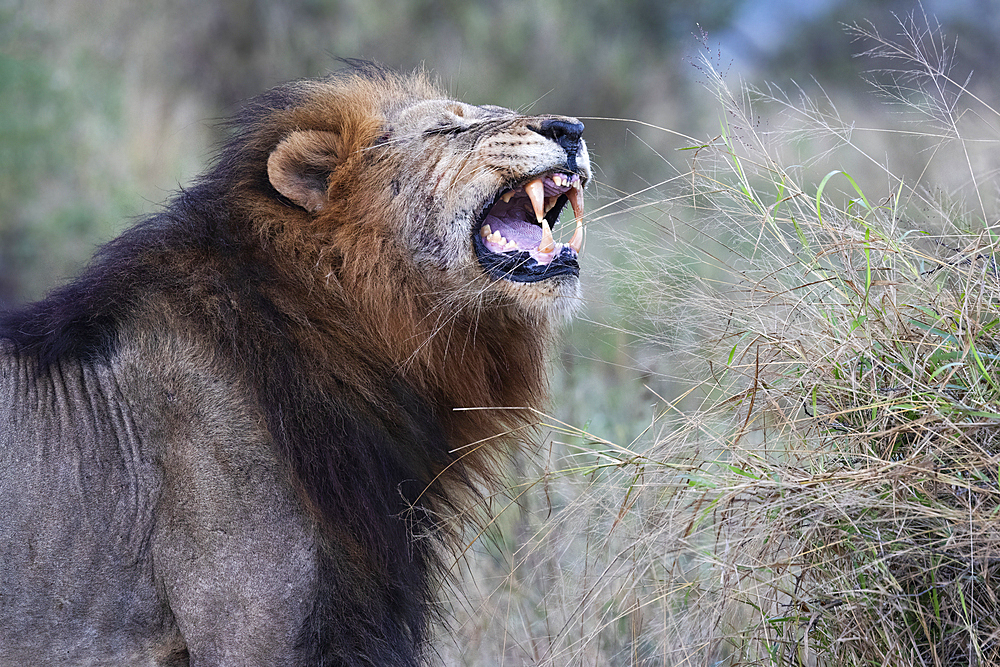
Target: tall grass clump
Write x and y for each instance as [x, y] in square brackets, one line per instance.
[826, 491]
[848, 511]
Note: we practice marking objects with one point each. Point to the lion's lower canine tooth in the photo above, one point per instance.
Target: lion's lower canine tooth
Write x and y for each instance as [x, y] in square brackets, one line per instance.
[485, 231]
[576, 243]
[548, 243]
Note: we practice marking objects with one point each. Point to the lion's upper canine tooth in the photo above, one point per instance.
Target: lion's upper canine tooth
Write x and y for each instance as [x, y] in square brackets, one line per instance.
[575, 196]
[536, 193]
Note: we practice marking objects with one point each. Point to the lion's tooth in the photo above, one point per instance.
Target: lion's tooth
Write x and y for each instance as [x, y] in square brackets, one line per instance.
[536, 193]
[576, 243]
[575, 196]
[485, 231]
[506, 197]
[549, 203]
[548, 243]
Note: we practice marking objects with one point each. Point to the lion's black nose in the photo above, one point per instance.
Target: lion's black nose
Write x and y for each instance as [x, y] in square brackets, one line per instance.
[566, 133]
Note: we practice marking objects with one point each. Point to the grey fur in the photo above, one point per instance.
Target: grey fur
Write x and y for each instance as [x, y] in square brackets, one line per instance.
[146, 494]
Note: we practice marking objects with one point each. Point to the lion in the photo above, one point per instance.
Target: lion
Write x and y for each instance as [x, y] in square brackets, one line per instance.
[238, 437]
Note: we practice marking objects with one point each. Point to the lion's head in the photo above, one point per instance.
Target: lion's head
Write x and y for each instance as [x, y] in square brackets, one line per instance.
[471, 195]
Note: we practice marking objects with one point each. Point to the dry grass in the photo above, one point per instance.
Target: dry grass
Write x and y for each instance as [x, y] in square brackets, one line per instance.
[832, 498]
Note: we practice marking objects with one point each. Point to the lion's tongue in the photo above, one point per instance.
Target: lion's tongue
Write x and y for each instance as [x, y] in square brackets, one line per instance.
[514, 228]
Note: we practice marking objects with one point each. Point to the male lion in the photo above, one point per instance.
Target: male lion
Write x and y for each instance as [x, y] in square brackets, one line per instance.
[232, 440]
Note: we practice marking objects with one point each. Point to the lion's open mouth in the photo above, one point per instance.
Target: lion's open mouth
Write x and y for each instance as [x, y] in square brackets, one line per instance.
[514, 237]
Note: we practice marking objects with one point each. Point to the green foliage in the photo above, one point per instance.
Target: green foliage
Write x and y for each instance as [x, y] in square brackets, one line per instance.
[856, 496]
[36, 132]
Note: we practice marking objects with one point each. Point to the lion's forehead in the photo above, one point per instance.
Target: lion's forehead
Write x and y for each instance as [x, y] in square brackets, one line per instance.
[482, 142]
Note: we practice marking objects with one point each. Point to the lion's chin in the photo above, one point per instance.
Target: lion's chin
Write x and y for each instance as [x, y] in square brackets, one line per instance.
[556, 299]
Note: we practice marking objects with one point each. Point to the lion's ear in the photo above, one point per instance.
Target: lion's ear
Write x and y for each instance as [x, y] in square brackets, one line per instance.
[300, 166]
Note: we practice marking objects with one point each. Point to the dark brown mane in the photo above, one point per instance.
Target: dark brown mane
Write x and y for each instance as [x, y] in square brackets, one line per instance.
[456, 358]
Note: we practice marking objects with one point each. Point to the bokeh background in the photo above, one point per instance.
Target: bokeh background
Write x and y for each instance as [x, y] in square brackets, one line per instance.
[108, 106]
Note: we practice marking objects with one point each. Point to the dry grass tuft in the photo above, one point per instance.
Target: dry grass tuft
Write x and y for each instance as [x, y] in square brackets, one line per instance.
[854, 491]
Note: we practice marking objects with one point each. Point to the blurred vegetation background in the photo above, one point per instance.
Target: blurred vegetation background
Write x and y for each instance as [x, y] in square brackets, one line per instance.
[108, 106]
